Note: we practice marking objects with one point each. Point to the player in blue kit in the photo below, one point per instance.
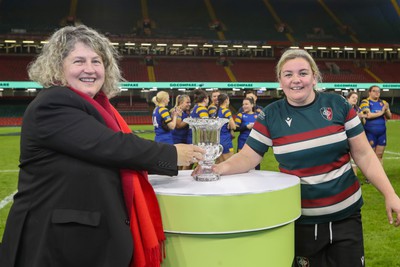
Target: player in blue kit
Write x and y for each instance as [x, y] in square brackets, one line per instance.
[163, 120]
[244, 121]
[223, 111]
[376, 113]
[181, 131]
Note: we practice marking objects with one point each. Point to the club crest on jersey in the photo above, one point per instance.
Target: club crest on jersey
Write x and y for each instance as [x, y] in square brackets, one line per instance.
[326, 113]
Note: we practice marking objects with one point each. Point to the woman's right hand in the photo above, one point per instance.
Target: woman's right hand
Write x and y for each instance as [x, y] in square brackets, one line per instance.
[188, 154]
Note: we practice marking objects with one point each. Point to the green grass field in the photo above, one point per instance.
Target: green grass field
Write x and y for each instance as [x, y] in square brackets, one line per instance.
[382, 241]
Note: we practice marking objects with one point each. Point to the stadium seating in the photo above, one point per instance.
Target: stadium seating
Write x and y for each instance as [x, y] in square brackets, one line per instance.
[189, 70]
[13, 67]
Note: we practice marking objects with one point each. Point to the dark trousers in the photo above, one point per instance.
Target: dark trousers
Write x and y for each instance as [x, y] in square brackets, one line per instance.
[334, 244]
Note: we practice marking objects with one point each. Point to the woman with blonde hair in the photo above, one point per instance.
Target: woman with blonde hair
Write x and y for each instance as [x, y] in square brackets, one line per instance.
[182, 109]
[312, 135]
[163, 120]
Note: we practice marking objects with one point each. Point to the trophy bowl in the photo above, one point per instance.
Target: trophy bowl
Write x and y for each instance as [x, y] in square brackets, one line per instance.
[206, 134]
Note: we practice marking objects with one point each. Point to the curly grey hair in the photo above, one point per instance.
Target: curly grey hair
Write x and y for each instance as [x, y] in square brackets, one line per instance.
[47, 68]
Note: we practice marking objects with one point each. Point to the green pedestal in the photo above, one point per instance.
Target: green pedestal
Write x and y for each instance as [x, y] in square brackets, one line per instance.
[240, 220]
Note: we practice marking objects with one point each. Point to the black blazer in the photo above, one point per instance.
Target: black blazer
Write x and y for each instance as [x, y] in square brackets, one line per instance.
[69, 209]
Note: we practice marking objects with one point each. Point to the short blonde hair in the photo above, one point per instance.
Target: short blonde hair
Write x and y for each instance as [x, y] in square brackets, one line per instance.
[297, 53]
[47, 68]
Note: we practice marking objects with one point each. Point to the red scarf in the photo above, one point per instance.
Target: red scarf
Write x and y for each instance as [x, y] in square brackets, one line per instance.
[140, 199]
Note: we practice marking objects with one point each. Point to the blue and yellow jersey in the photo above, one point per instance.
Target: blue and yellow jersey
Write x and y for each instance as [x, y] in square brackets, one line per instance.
[161, 117]
[373, 107]
[227, 114]
[180, 135]
[241, 121]
[212, 111]
[199, 112]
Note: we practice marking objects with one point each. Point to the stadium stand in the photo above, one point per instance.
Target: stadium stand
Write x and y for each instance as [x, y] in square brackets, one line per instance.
[255, 70]
[189, 69]
[13, 67]
[277, 23]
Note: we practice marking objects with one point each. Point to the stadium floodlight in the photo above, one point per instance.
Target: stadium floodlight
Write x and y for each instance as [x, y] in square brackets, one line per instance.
[222, 45]
[308, 47]
[374, 49]
[193, 45]
[251, 46]
[335, 48]
[385, 90]
[321, 47]
[145, 44]
[207, 45]
[28, 42]
[177, 45]
[161, 44]
[10, 41]
[387, 49]
[130, 44]
[348, 48]
[237, 46]
[266, 46]
[338, 90]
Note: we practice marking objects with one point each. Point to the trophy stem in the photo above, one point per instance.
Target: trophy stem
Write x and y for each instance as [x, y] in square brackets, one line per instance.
[207, 174]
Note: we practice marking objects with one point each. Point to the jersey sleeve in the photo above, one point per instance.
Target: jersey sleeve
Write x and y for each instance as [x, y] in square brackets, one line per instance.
[364, 105]
[165, 115]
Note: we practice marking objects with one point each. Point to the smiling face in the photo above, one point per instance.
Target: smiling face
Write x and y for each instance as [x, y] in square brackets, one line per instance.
[185, 106]
[297, 81]
[84, 70]
[214, 97]
[247, 106]
[353, 99]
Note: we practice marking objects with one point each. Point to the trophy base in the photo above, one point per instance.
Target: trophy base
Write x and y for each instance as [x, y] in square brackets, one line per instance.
[207, 177]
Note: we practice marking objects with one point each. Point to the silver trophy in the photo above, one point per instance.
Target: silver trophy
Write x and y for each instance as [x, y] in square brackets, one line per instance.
[206, 134]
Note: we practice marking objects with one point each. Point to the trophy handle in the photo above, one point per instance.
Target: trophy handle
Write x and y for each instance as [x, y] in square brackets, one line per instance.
[220, 149]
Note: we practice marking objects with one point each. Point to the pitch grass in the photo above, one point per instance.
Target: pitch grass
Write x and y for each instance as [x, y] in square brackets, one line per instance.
[382, 241]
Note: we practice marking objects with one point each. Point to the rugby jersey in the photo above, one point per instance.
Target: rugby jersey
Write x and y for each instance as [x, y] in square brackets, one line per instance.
[161, 116]
[242, 120]
[374, 107]
[212, 111]
[199, 112]
[180, 135]
[311, 142]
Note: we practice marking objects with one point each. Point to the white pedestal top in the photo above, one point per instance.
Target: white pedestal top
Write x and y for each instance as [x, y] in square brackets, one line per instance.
[246, 183]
